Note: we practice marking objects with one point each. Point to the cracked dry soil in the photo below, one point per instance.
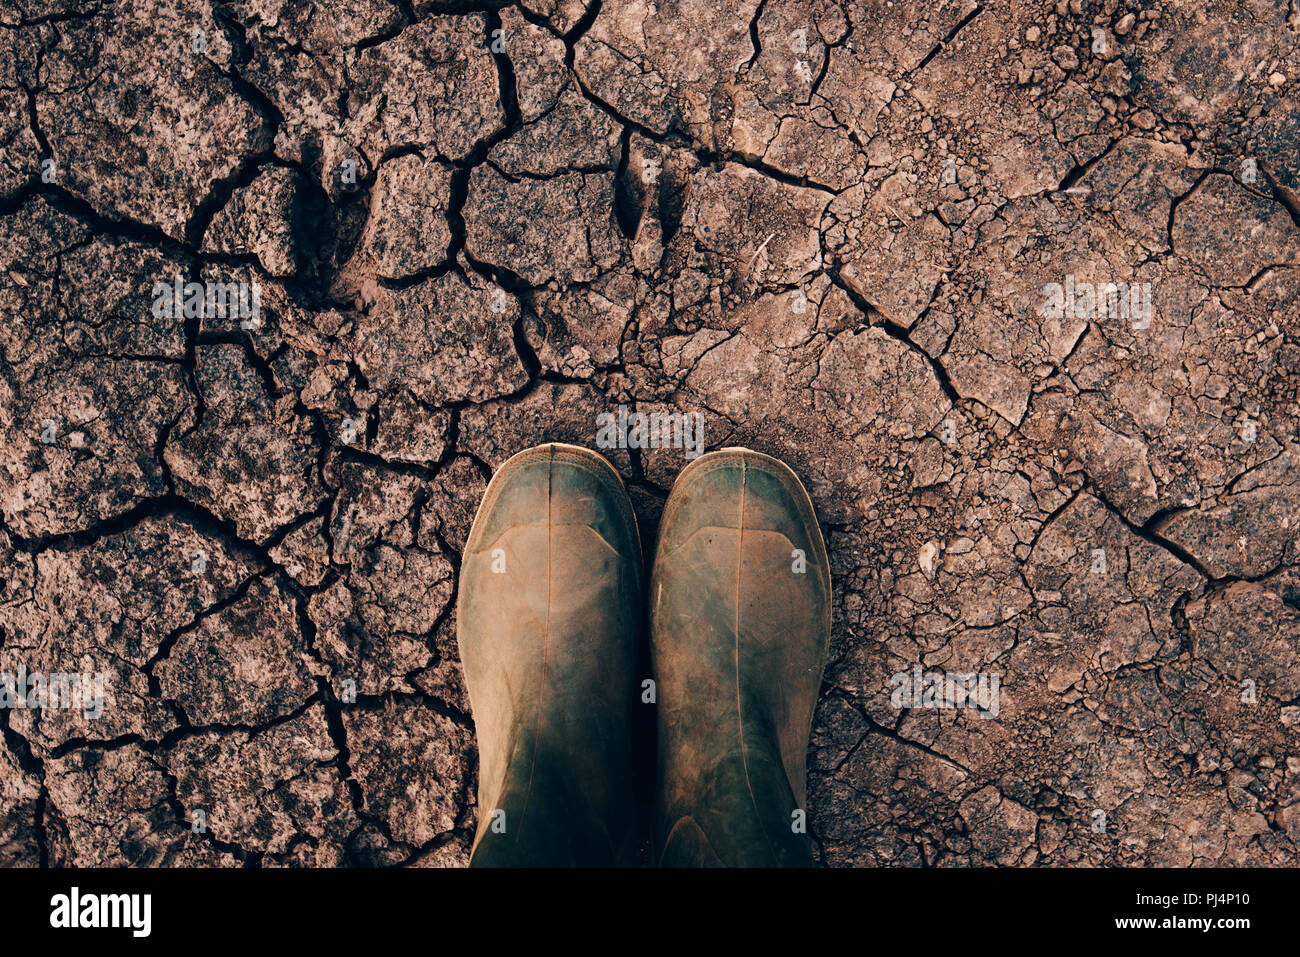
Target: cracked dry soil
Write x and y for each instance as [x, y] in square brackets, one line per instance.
[826, 226]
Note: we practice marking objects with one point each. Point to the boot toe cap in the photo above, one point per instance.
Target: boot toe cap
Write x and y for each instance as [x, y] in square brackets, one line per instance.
[556, 485]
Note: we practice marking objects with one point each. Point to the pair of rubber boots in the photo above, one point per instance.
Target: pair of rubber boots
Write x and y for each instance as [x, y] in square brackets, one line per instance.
[548, 622]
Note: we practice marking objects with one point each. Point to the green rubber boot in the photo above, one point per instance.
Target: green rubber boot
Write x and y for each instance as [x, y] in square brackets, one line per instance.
[739, 625]
[547, 620]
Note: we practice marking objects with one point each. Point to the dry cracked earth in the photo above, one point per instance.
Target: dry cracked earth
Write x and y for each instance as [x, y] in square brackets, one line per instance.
[828, 227]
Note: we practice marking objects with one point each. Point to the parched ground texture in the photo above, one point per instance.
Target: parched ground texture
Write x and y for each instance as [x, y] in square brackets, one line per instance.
[828, 227]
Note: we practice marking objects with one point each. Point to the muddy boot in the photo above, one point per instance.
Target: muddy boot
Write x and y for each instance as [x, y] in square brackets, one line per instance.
[547, 620]
[739, 624]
